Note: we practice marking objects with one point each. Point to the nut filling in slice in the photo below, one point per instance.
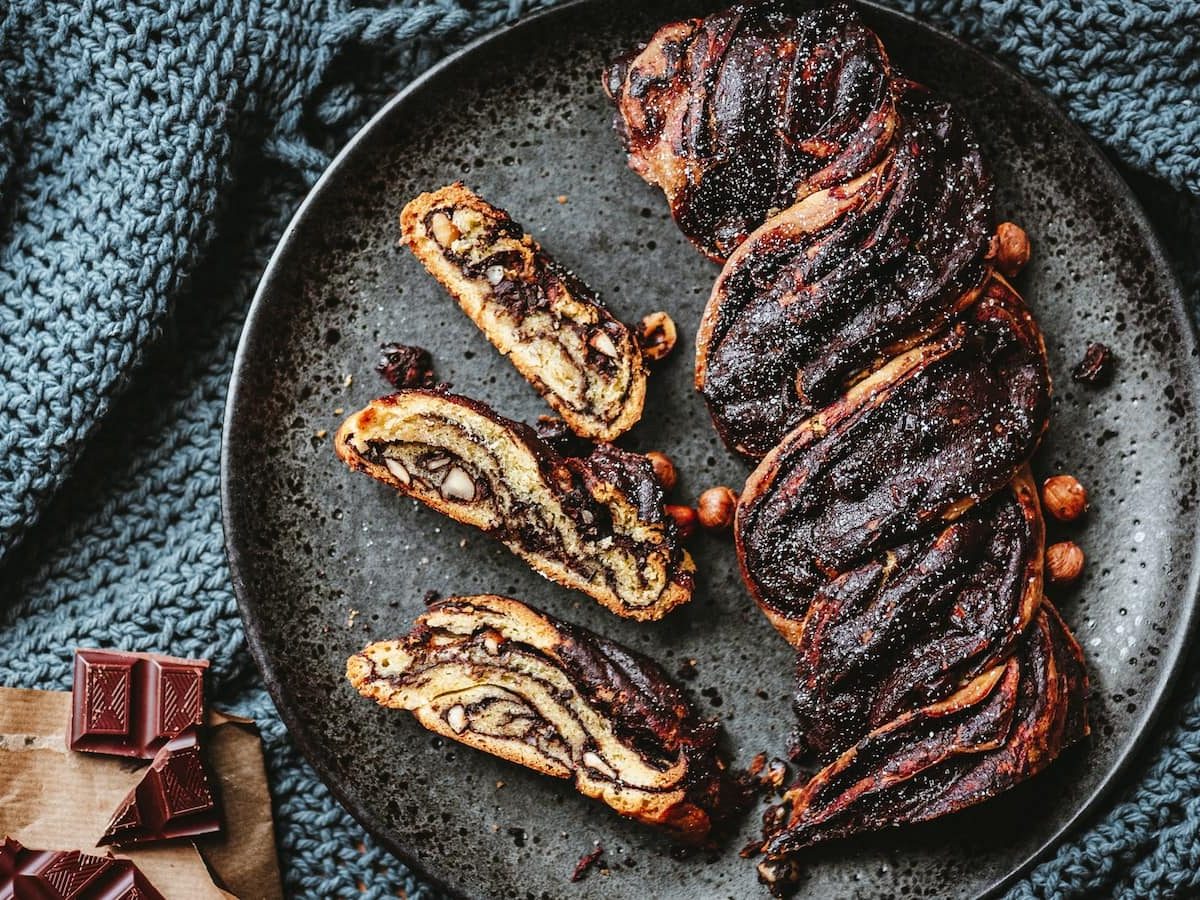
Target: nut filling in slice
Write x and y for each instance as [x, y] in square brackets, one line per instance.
[502, 677]
[595, 524]
[553, 328]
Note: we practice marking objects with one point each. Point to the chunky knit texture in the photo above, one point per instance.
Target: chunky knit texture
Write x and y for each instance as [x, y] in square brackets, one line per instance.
[151, 152]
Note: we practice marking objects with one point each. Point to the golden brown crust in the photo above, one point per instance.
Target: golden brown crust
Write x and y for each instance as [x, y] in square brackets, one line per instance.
[583, 361]
[596, 525]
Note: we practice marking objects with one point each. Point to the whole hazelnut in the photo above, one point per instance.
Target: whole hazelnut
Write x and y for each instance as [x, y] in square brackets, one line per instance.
[1064, 562]
[656, 335]
[716, 508]
[685, 519]
[1064, 498]
[1009, 249]
[664, 469]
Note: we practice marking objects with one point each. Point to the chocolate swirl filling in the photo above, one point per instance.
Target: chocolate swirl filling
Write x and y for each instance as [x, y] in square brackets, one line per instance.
[596, 524]
[1003, 726]
[908, 629]
[504, 678]
[939, 428]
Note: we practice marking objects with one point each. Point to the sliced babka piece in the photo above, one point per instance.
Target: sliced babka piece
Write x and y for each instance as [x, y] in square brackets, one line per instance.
[908, 449]
[595, 524]
[834, 285]
[743, 113]
[504, 678]
[552, 327]
[1003, 726]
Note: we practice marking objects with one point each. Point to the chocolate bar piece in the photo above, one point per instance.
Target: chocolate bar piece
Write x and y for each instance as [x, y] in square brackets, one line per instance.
[174, 799]
[69, 875]
[131, 704]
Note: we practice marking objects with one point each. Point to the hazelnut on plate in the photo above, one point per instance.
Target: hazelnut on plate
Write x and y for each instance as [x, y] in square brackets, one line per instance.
[1009, 248]
[716, 508]
[664, 469]
[656, 335]
[1064, 562]
[685, 519]
[1064, 498]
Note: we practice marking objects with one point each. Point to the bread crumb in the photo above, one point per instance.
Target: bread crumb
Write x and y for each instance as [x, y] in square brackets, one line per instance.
[339, 410]
[348, 381]
[350, 618]
[321, 432]
[561, 198]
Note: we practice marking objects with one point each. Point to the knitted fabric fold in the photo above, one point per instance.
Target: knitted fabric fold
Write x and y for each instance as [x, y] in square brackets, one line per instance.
[151, 152]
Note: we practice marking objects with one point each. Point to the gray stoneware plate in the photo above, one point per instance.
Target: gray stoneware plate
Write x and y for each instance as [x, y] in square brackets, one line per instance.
[324, 560]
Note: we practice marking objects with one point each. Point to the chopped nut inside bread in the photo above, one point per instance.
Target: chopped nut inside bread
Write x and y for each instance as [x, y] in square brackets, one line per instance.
[553, 328]
[596, 524]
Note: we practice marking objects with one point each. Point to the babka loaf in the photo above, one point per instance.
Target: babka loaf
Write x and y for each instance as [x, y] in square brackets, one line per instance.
[863, 348]
[595, 524]
[552, 327]
[504, 678]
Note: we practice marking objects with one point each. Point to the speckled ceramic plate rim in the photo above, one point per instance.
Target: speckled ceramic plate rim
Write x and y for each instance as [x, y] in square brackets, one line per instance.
[258, 308]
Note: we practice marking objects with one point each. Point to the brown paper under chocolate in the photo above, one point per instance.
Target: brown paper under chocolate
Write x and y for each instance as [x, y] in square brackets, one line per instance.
[50, 797]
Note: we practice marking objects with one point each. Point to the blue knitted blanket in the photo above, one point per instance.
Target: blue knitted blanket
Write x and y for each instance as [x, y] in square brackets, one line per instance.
[151, 152]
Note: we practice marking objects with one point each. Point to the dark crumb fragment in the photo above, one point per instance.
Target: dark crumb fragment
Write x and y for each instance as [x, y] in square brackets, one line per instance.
[430, 597]
[586, 862]
[751, 850]
[757, 764]
[761, 778]
[403, 366]
[687, 670]
[1096, 365]
[554, 431]
[781, 876]
[775, 775]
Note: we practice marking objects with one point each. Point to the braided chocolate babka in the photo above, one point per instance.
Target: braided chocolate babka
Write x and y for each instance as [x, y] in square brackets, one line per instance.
[596, 524]
[502, 677]
[861, 347]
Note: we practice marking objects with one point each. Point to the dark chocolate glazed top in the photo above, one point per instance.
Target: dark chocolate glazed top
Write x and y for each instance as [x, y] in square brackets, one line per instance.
[757, 107]
[821, 292]
[906, 447]
[901, 632]
[941, 759]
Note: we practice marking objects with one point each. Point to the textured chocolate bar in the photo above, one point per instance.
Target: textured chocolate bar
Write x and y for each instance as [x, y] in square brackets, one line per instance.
[174, 799]
[68, 875]
[131, 704]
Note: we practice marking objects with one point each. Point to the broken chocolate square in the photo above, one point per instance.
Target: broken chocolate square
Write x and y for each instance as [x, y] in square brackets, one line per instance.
[174, 799]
